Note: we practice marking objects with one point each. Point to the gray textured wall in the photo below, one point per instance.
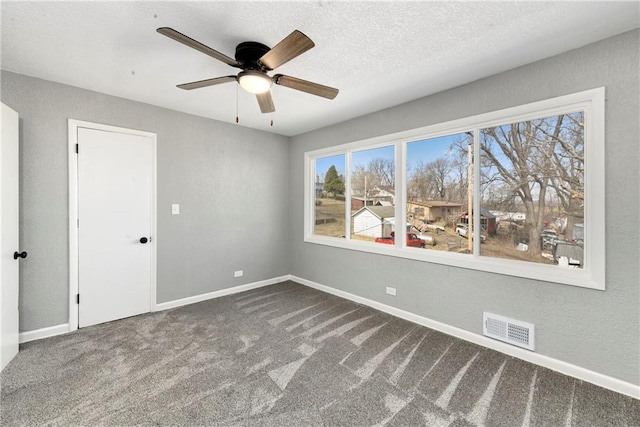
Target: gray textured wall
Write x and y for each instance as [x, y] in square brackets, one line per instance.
[231, 183]
[593, 329]
[241, 192]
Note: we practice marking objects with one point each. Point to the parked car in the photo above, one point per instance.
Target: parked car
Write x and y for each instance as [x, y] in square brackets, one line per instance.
[428, 238]
[548, 239]
[412, 240]
[463, 230]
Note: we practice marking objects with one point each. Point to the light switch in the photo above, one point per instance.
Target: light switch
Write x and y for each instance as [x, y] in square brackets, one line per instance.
[175, 209]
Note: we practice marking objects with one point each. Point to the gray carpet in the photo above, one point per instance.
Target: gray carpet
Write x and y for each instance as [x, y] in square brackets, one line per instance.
[288, 355]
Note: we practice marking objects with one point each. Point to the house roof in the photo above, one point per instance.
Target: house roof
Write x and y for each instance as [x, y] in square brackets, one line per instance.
[483, 212]
[436, 204]
[381, 212]
[388, 188]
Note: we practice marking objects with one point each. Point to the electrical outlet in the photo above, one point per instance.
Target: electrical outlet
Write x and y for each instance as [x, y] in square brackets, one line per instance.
[391, 291]
[175, 209]
[238, 273]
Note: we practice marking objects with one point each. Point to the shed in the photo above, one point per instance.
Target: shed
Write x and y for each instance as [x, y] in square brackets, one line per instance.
[373, 221]
[487, 220]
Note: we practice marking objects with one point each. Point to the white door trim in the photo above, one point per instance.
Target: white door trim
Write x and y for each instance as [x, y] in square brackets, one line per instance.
[73, 126]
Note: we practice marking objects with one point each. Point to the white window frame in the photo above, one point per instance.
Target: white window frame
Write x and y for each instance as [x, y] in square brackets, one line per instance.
[592, 276]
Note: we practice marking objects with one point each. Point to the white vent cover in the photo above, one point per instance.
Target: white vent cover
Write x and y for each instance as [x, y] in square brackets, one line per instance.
[510, 331]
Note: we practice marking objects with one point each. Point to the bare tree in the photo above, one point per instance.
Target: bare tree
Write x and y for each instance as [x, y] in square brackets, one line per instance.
[379, 172]
[418, 183]
[430, 181]
[438, 171]
[532, 161]
[361, 181]
[383, 170]
[567, 175]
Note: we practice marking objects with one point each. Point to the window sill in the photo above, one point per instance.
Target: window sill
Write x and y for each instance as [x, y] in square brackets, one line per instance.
[548, 273]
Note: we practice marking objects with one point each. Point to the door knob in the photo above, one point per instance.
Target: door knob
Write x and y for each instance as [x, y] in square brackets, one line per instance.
[17, 255]
[143, 240]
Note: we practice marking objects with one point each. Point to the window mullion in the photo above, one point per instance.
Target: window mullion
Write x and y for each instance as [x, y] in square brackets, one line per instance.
[347, 196]
[477, 215]
[400, 190]
[310, 172]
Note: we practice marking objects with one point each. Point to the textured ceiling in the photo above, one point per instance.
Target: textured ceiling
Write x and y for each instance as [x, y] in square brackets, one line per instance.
[379, 54]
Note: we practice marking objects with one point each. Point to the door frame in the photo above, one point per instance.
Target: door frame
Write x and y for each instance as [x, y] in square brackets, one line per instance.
[74, 265]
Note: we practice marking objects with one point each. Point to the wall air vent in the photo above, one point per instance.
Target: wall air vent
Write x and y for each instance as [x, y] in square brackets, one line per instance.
[510, 331]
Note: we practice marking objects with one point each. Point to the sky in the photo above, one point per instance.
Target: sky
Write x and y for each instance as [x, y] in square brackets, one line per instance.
[363, 157]
[324, 163]
[424, 151]
[428, 150]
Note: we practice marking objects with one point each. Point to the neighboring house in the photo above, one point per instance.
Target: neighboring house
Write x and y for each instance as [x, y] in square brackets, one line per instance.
[377, 196]
[319, 190]
[358, 202]
[433, 210]
[510, 216]
[384, 193]
[487, 219]
[374, 221]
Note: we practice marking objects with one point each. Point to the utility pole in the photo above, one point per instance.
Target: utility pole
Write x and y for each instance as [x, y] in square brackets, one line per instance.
[365, 190]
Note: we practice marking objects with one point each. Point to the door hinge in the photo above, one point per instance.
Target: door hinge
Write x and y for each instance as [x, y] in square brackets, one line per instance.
[77, 298]
[76, 148]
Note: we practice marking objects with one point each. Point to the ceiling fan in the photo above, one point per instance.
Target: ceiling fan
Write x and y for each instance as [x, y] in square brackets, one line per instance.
[256, 60]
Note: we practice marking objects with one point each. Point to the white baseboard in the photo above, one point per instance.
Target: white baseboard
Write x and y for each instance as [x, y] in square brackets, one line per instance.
[64, 328]
[578, 372]
[43, 333]
[218, 294]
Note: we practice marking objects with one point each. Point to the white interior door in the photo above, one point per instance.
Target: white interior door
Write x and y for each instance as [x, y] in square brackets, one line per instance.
[115, 197]
[9, 231]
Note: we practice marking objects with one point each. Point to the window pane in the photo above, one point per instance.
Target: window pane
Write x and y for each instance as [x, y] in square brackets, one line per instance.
[329, 217]
[373, 194]
[532, 190]
[437, 191]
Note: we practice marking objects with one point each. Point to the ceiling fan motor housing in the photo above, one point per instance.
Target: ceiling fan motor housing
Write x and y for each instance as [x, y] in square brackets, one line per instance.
[248, 53]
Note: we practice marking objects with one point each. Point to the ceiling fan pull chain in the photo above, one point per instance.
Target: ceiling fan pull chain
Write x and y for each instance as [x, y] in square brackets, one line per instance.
[237, 117]
[272, 121]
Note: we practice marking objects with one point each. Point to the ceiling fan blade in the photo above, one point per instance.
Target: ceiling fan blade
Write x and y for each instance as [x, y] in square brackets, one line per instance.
[305, 86]
[186, 40]
[207, 82]
[291, 46]
[265, 101]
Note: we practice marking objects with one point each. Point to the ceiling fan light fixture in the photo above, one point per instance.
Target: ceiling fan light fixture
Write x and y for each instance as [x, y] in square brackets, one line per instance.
[256, 60]
[254, 81]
